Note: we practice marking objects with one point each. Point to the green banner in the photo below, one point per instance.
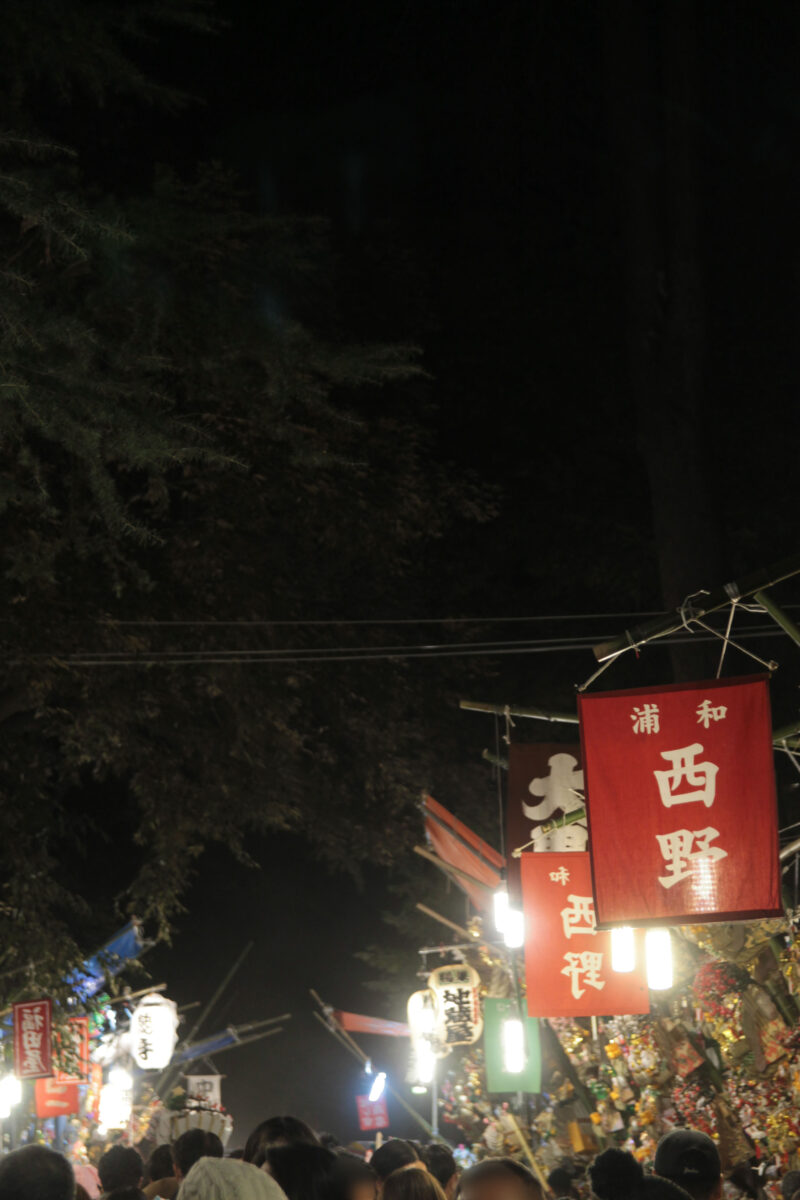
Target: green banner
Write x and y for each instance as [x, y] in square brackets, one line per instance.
[498, 1079]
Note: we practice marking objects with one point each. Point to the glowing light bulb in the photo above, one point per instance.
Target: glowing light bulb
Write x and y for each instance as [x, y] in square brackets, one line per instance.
[514, 931]
[513, 1040]
[658, 955]
[623, 949]
[500, 909]
[376, 1091]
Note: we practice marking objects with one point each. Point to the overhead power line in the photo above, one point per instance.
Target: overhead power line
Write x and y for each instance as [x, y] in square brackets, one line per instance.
[298, 656]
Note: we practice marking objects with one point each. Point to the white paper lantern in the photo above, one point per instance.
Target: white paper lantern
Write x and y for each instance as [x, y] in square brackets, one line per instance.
[458, 1004]
[154, 1032]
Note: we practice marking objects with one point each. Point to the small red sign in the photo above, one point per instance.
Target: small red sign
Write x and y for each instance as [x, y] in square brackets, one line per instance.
[75, 1051]
[33, 1020]
[54, 1099]
[568, 967]
[680, 791]
[372, 1114]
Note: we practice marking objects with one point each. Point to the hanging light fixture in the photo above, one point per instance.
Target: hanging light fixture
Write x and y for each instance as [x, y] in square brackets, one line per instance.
[514, 931]
[512, 1035]
[376, 1091]
[658, 956]
[154, 1032]
[10, 1095]
[500, 901]
[116, 1099]
[623, 949]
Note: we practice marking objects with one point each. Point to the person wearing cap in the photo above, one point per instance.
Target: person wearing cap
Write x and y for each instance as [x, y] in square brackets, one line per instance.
[690, 1159]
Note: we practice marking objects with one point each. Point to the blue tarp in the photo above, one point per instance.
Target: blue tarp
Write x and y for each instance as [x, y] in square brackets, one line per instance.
[109, 960]
[226, 1037]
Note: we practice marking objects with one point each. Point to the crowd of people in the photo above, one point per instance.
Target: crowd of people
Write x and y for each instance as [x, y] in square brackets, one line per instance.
[283, 1159]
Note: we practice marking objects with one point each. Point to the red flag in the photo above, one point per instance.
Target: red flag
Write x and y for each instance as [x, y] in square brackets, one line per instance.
[54, 1099]
[33, 1020]
[76, 1051]
[567, 959]
[459, 847]
[545, 783]
[355, 1023]
[680, 791]
[372, 1114]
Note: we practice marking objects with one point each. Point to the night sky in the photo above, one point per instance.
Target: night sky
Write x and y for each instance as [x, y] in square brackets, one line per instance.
[461, 151]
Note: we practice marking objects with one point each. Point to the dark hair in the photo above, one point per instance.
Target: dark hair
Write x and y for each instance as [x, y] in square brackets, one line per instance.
[560, 1181]
[616, 1175]
[496, 1168]
[391, 1156]
[790, 1184]
[440, 1162]
[412, 1185]
[350, 1171]
[193, 1145]
[81, 1192]
[36, 1171]
[159, 1165]
[126, 1193]
[120, 1167]
[305, 1172]
[277, 1131]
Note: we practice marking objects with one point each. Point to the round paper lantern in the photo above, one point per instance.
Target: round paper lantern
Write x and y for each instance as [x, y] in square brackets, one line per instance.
[154, 1032]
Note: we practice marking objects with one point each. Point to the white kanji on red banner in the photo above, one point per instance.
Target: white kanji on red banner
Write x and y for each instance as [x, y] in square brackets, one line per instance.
[683, 819]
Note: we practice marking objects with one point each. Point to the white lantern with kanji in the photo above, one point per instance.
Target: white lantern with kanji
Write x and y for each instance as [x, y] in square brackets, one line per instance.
[458, 1004]
[154, 1032]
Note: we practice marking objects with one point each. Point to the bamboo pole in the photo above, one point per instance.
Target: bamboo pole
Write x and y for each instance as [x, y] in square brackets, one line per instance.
[506, 710]
[778, 615]
[756, 581]
[459, 929]
[451, 871]
[341, 1036]
[531, 1157]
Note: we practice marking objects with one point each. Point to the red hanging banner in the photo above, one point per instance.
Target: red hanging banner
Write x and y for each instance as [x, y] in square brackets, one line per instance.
[54, 1099]
[74, 1052]
[356, 1023]
[372, 1114]
[680, 792]
[545, 784]
[459, 847]
[33, 1020]
[568, 968]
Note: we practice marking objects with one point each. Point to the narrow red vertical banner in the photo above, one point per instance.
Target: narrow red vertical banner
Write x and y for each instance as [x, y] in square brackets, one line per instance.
[568, 968]
[33, 1028]
[680, 793]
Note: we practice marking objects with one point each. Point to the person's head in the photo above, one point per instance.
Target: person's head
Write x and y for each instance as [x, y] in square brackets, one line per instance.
[499, 1179]
[159, 1165]
[36, 1173]
[392, 1156]
[228, 1179]
[690, 1159]
[616, 1175]
[303, 1171]
[191, 1146]
[355, 1179]
[443, 1167]
[126, 1193]
[277, 1131]
[560, 1182]
[120, 1167]
[81, 1192]
[412, 1185]
[790, 1184]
